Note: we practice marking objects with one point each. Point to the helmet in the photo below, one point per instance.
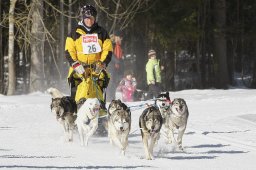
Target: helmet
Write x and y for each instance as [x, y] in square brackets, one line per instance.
[151, 52]
[88, 11]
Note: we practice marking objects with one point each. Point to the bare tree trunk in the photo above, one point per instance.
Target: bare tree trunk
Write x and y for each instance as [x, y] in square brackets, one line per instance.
[70, 14]
[11, 64]
[1, 53]
[37, 44]
[220, 44]
[61, 37]
[253, 85]
[113, 27]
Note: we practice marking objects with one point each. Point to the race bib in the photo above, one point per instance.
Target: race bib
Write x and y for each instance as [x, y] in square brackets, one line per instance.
[90, 44]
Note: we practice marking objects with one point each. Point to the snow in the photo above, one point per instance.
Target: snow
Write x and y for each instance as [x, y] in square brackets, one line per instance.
[221, 134]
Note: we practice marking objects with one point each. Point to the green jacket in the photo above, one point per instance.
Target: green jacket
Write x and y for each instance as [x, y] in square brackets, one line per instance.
[153, 71]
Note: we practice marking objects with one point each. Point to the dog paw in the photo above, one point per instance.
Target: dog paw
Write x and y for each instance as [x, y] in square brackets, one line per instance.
[180, 148]
[86, 143]
[148, 158]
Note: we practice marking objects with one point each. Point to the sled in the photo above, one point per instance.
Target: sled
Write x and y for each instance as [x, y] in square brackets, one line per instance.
[91, 84]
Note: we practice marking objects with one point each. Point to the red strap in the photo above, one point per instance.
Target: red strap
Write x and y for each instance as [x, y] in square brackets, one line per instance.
[169, 101]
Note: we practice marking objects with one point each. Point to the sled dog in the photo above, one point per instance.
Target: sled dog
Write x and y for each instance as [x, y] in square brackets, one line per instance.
[65, 109]
[150, 123]
[116, 105]
[55, 93]
[163, 103]
[87, 119]
[119, 124]
[178, 120]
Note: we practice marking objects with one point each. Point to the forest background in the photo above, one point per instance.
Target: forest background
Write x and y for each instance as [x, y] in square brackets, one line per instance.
[201, 43]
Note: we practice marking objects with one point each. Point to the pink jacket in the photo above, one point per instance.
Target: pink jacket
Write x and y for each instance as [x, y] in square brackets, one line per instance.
[127, 87]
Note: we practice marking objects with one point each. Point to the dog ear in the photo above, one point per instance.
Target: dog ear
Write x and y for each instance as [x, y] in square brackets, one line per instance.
[167, 94]
[184, 101]
[119, 101]
[146, 115]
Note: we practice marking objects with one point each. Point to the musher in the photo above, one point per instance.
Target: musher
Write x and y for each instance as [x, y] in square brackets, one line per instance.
[88, 50]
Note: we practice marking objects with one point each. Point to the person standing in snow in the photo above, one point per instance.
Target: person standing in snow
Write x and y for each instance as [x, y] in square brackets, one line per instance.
[116, 66]
[153, 74]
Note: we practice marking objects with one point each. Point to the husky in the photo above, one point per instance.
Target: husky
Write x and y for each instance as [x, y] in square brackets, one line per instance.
[150, 123]
[55, 93]
[178, 120]
[87, 119]
[116, 105]
[65, 109]
[119, 124]
[163, 103]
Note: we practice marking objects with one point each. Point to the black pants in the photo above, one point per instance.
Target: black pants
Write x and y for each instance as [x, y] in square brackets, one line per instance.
[154, 90]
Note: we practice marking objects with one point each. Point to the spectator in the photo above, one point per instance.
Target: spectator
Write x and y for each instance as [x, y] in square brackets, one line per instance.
[153, 74]
[127, 87]
[116, 65]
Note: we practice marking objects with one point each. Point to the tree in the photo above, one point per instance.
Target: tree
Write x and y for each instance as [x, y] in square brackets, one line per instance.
[1, 51]
[37, 46]
[220, 44]
[11, 64]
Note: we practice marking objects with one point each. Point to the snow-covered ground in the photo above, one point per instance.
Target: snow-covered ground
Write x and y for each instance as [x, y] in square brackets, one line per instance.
[221, 134]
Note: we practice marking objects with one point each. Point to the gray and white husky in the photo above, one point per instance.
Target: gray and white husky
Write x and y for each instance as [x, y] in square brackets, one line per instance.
[175, 116]
[150, 123]
[65, 109]
[119, 124]
[178, 120]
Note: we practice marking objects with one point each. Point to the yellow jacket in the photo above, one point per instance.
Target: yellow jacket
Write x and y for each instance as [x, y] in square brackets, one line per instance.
[74, 48]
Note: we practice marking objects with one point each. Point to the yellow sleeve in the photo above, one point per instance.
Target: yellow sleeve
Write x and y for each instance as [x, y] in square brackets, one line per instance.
[70, 50]
[107, 50]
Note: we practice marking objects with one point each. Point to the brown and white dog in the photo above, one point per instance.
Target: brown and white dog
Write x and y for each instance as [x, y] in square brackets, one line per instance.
[65, 109]
[119, 124]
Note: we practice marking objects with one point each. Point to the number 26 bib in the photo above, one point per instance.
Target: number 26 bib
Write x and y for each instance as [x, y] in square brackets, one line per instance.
[90, 44]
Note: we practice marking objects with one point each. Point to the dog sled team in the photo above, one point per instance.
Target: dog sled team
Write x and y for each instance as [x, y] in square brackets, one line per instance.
[160, 119]
[89, 50]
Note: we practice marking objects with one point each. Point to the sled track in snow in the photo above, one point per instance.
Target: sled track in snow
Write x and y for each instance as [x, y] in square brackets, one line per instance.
[228, 140]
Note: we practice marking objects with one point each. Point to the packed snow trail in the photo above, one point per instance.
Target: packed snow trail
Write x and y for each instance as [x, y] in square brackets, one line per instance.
[221, 134]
